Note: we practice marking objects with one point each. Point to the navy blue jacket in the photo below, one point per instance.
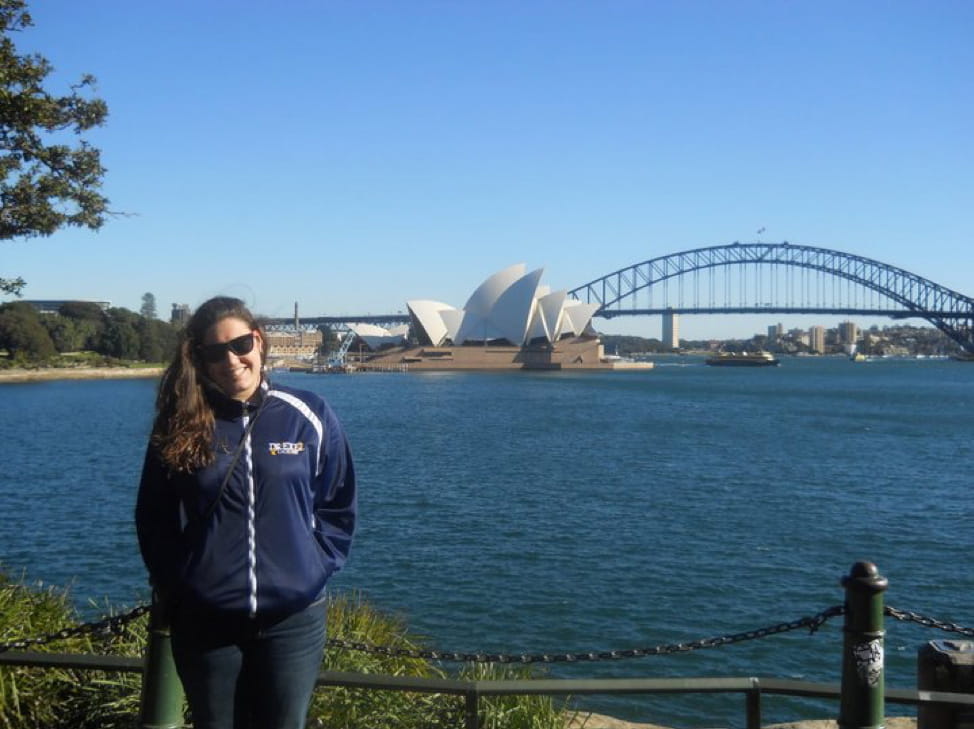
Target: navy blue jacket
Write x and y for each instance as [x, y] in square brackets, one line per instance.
[283, 524]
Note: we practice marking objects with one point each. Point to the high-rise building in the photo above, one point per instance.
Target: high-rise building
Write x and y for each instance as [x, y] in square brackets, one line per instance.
[848, 332]
[775, 332]
[180, 314]
[671, 329]
[816, 339]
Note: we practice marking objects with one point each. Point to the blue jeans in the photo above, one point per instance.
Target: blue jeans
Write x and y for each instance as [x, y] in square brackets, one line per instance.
[244, 673]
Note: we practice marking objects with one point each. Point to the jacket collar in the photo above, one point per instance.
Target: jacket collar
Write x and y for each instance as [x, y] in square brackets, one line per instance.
[229, 409]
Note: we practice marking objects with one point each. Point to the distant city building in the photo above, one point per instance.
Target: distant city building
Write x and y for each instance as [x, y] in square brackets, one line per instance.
[180, 314]
[848, 332]
[297, 344]
[671, 329]
[775, 332]
[52, 306]
[798, 335]
[816, 339]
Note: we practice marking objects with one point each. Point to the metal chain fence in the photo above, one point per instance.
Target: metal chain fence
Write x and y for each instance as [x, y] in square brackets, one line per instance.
[115, 624]
[112, 625]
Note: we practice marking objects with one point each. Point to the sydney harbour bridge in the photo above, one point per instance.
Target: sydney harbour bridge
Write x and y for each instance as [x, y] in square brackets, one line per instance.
[755, 278]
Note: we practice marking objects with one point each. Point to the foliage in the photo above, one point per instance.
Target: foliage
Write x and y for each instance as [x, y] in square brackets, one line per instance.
[116, 336]
[120, 337]
[157, 340]
[63, 698]
[148, 310]
[625, 345]
[59, 698]
[22, 334]
[82, 311]
[354, 620]
[45, 184]
[514, 712]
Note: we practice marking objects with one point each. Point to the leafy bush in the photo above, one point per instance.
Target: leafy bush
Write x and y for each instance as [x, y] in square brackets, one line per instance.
[62, 697]
[55, 698]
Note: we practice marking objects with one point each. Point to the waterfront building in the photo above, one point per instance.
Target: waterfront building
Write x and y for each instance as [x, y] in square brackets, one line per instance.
[375, 338]
[510, 321]
[816, 339]
[848, 332]
[53, 306]
[296, 344]
[776, 332]
[510, 307]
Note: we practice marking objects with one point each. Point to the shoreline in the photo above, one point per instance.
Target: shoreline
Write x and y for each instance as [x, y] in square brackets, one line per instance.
[588, 720]
[48, 374]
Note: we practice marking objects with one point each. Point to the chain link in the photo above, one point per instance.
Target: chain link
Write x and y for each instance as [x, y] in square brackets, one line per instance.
[115, 625]
[112, 625]
[909, 617]
[813, 623]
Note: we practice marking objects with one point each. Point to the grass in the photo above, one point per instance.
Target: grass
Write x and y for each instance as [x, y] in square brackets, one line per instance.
[55, 698]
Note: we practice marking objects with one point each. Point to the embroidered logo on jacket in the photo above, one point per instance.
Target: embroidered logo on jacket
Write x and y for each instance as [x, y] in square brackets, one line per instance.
[285, 449]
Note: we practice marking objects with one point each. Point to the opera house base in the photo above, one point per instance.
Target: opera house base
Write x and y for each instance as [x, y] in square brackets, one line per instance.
[581, 353]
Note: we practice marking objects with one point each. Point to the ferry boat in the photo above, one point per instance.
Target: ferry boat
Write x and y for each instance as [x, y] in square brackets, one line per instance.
[743, 359]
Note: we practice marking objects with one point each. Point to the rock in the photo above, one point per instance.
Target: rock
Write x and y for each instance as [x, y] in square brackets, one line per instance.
[586, 720]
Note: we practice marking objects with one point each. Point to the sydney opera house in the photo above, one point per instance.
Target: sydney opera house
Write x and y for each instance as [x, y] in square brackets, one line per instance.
[510, 321]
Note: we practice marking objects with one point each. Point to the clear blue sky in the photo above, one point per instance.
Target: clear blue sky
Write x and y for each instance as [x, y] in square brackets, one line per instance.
[353, 155]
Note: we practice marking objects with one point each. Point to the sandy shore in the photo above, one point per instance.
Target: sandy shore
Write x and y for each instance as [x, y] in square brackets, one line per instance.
[43, 374]
[584, 720]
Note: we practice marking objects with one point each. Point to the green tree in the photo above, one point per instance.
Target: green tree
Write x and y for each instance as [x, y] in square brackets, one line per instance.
[121, 335]
[157, 340]
[65, 333]
[22, 334]
[89, 322]
[45, 184]
[148, 309]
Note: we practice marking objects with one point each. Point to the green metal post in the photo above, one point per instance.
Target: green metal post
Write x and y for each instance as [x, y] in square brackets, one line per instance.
[162, 693]
[753, 708]
[863, 672]
[471, 705]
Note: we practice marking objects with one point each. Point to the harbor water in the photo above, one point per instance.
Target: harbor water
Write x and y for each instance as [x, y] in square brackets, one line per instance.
[567, 512]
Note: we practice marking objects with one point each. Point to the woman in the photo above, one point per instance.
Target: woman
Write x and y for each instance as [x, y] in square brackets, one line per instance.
[245, 508]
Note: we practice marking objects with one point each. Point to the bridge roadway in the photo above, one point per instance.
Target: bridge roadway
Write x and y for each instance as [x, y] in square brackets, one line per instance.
[779, 273]
[310, 323]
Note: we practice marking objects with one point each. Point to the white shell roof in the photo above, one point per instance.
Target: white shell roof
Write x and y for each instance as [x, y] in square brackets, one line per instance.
[510, 304]
[429, 315]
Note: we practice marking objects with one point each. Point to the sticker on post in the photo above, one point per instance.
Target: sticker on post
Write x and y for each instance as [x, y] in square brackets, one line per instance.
[869, 661]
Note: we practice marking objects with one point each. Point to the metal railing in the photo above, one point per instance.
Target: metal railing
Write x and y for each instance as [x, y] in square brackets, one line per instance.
[861, 694]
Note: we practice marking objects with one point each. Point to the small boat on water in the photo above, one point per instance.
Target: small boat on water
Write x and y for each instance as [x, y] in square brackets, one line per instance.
[743, 359]
[855, 355]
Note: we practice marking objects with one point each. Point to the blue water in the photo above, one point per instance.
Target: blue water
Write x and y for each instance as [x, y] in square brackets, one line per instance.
[568, 512]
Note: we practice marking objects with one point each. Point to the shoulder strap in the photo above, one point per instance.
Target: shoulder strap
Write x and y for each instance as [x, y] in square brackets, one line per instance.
[233, 464]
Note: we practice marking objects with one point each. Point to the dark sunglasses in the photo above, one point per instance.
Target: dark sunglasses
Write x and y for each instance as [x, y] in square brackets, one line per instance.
[240, 346]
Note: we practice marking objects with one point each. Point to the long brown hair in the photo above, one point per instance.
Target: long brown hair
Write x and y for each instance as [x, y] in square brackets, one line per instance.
[183, 427]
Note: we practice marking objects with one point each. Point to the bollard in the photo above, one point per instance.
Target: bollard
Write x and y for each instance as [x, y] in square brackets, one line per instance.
[863, 675]
[161, 705]
[945, 665]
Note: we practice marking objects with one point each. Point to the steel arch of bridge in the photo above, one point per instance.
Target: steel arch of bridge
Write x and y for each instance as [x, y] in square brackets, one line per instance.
[951, 312]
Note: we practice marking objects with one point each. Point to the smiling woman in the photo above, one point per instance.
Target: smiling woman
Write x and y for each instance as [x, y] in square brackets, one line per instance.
[233, 353]
[246, 507]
